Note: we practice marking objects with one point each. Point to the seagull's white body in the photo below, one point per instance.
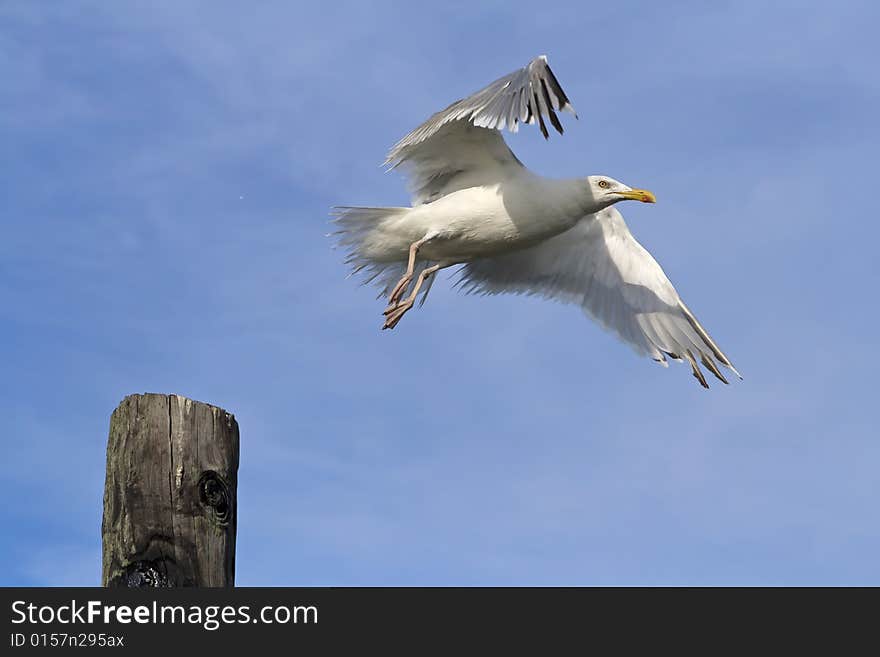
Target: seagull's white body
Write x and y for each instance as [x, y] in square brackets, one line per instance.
[476, 205]
[474, 222]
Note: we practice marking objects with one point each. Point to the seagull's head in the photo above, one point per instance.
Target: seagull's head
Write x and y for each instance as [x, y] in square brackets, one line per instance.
[606, 191]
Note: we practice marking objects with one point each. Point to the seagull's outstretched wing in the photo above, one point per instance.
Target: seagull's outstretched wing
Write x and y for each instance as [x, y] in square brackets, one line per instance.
[461, 146]
[599, 265]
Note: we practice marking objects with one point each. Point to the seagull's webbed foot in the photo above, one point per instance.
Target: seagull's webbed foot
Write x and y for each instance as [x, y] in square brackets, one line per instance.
[397, 293]
[394, 313]
[403, 283]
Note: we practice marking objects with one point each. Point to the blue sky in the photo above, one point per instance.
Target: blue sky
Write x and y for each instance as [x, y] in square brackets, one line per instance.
[167, 173]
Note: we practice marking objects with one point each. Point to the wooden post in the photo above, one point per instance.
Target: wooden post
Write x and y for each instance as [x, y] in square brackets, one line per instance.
[170, 494]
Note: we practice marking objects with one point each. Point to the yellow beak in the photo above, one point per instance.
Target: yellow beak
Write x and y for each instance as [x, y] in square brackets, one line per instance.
[642, 195]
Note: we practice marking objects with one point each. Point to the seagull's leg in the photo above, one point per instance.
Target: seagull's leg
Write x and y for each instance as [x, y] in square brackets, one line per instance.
[397, 292]
[400, 310]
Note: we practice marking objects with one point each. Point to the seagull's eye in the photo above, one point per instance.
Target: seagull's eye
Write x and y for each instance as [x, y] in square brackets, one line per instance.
[604, 184]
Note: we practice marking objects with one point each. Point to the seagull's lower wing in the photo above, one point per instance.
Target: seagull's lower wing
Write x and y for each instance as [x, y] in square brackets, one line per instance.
[600, 266]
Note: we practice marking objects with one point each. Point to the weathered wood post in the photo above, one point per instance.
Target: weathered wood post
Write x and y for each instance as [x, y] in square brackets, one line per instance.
[170, 494]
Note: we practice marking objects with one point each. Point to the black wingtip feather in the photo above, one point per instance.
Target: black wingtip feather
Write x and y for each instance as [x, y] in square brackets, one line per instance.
[553, 118]
[540, 118]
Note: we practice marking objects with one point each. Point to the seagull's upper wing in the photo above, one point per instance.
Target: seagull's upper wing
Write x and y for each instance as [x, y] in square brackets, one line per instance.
[461, 146]
[599, 265]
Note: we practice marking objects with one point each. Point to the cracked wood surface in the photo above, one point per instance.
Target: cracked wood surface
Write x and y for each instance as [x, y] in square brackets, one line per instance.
[170, 494]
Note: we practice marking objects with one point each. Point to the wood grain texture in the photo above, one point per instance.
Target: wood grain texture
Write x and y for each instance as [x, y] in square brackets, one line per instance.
[170, 494]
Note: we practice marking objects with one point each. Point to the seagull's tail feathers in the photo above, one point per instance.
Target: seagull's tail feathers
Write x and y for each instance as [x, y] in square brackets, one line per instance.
[373, 245]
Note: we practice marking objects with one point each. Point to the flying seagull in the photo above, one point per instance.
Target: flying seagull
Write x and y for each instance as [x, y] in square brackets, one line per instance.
[474, 204]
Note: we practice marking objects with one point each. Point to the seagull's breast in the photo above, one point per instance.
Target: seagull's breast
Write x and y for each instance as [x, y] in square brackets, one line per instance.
[490, 219]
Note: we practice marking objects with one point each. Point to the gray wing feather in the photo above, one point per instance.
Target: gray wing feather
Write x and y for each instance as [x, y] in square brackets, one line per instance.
[461, 146]
[533, 90]
[600, 266]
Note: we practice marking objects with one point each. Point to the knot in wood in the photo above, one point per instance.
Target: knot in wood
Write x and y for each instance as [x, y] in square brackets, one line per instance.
[145, 574]
[214, 493]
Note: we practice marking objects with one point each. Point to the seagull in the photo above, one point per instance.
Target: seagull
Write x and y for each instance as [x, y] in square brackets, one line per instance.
[475, 205]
